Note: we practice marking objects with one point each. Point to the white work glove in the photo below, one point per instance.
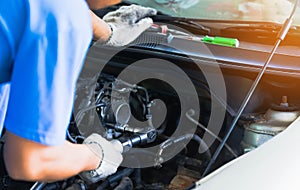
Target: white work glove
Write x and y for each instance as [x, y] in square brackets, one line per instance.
[110, 156]
[127, 23]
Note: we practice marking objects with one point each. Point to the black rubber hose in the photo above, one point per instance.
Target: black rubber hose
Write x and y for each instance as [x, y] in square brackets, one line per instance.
[125, 184]
[115, 178]
[137, 178]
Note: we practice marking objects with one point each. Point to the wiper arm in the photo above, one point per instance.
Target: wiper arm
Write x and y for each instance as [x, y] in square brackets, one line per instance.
[184, 22]
[251, 26]
[193, 23]
[264, 33]
[255, 28]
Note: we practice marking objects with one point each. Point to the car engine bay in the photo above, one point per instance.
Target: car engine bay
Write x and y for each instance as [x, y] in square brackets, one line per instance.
[145, 108]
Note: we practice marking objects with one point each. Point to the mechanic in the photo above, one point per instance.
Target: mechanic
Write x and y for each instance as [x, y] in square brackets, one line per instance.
[42, 49]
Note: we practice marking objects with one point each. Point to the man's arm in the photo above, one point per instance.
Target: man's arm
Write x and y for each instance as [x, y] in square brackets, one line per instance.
[101, 30]
[27, 160]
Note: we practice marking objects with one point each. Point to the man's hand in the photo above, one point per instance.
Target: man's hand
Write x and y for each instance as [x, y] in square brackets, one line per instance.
[109, 154]
[127, 23]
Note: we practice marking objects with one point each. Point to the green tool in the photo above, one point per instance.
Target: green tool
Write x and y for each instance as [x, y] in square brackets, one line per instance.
[232, 42]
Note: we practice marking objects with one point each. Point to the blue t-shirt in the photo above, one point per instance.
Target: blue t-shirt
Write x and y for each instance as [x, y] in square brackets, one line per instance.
[42, 48]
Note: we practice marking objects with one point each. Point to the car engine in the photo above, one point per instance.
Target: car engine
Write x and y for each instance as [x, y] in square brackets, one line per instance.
[145, 115]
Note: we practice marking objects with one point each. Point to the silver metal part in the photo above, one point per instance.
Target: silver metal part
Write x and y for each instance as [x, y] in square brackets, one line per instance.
[38, 186]
[139, 139]
[266, 127]
[121, 111]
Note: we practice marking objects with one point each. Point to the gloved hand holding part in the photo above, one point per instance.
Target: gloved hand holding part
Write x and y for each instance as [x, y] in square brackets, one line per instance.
[110, 157]
[127, 23]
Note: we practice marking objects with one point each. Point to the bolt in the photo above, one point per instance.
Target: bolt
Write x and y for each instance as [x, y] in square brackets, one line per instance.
[151, 135]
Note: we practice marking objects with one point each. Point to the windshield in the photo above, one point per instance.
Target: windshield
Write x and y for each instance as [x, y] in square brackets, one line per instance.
[246, 10]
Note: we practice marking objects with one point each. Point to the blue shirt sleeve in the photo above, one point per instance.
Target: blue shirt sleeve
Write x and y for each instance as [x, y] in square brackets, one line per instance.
[4, 94]
[46, 67]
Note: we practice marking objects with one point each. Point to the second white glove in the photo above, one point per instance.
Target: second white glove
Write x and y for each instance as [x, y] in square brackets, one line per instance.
[110, 156]
[127, 23]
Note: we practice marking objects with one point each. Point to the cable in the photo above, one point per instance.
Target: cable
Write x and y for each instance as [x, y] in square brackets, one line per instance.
[172, 141]
[189, 116]
[79, 115]
[281, 35]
